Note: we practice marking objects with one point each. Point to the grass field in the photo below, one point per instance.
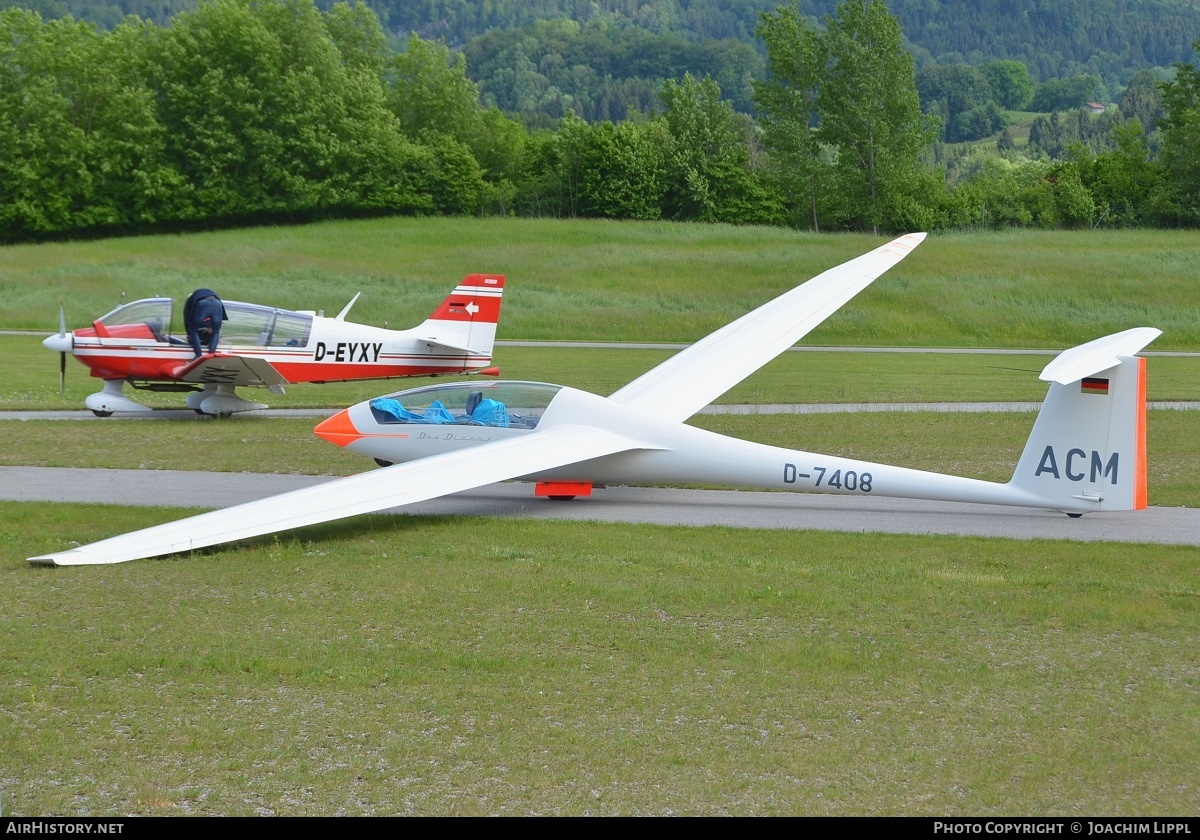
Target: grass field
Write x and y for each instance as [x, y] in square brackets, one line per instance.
[491, 666]
[458, 666]
[588, 280]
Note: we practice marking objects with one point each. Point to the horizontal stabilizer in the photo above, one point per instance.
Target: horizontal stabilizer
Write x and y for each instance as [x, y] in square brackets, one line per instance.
[1095, 356]
[452, 349]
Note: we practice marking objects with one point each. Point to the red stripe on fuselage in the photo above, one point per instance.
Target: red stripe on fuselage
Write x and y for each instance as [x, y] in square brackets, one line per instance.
[295, 372]
[159, 363]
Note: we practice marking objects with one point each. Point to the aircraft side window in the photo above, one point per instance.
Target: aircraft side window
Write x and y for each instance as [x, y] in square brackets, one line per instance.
[246, 323]
[291, 329]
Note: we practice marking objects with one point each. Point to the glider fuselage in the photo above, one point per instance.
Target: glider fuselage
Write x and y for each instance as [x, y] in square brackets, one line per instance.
[670, 452]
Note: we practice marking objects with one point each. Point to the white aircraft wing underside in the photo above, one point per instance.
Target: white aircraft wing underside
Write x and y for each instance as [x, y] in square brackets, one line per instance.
[235, 370]
[690, 380]
[390, 487]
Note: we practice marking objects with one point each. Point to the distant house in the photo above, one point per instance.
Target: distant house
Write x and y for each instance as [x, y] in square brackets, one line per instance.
[1097, 108]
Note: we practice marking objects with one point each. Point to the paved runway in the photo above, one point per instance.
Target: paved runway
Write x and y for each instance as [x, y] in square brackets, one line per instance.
[765, 408]
[732, 508]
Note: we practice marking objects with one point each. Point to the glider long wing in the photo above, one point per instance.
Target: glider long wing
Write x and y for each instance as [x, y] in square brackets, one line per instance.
[402, 484]
[694, 377]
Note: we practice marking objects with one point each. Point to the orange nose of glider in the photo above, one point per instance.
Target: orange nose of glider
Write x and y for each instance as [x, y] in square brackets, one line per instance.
[339, 429]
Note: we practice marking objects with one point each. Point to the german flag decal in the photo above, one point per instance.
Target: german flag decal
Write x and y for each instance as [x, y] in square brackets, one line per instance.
[1094, 385]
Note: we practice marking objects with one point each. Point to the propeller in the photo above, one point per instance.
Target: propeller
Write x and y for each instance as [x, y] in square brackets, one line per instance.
[64, 343]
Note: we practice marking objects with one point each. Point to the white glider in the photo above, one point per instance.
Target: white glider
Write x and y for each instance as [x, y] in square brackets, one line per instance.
[1086, 452]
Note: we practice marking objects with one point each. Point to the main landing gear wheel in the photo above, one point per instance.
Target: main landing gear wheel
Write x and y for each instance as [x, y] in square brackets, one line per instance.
[1074, 515]
[102, 413]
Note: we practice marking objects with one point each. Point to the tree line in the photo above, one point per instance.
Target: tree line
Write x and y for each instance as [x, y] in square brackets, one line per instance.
[250, 111]
[605, 59]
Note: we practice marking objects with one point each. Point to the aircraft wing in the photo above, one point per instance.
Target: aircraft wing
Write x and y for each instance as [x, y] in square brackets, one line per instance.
[691, 379]
[226, 369]
[402, 484]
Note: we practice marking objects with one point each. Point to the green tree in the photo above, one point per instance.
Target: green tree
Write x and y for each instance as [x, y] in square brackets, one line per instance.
[623, 174]
[79, 149]
[1066, 94]
[870, 114]
[1123, 182]
[709, 174]
[357, 33]
[268, 116]
[957, 90]
[1142, 100]
[431, 90]
[1012, 86]
[1180, 151]
[787, 105]
[432, 95]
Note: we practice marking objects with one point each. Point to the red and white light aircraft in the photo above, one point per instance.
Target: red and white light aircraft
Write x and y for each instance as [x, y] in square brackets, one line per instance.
[1087, 450]
[264, 347]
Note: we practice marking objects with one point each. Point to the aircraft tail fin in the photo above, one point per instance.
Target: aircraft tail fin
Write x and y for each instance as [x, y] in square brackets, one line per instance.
[1087, 450]
[466, 320]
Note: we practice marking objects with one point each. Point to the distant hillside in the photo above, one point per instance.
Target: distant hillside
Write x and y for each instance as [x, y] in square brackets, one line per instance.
[606, 56]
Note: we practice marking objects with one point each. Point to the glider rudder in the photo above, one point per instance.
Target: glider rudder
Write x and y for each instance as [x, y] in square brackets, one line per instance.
[1087, 450]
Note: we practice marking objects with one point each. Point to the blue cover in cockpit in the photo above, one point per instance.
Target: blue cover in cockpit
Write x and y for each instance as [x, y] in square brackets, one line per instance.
[395, 409]
[435, 414]
[490, 413]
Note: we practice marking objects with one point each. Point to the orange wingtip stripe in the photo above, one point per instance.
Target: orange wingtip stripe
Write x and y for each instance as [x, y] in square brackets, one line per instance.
[339, 429]
[1141, 492]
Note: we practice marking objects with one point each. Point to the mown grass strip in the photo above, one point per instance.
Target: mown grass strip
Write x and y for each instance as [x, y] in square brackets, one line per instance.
[486, 666]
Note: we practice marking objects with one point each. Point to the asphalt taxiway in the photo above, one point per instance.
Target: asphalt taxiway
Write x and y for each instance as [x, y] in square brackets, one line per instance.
[641, 505]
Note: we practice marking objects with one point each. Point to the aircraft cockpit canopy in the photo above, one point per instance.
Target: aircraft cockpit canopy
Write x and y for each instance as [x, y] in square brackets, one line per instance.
[262, 326]
[249, 324]
[155, 313]
[508, 405]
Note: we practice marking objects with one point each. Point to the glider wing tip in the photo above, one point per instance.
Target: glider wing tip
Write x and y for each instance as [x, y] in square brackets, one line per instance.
[70, 557]
[44, 560]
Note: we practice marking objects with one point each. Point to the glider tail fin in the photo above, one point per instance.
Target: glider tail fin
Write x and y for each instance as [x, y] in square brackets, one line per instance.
[466, 320]
[1087, 451]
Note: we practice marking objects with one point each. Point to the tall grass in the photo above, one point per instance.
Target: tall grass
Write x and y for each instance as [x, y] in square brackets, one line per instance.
[630, 281]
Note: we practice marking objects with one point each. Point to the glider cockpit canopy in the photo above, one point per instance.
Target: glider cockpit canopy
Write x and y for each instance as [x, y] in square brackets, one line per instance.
[515, 405]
